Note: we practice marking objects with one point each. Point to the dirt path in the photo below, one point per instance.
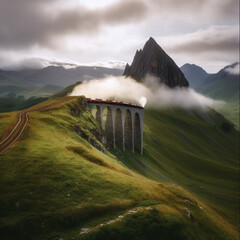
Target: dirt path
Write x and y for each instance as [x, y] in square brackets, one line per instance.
[23, 119]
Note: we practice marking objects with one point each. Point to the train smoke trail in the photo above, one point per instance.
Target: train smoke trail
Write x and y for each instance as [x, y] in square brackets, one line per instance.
[150, 91]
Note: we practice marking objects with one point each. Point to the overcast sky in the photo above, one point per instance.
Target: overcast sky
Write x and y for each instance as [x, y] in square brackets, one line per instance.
[203, 32]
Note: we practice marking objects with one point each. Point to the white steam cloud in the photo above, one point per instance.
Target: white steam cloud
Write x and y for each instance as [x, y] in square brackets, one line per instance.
[151, 92]
[233, 70]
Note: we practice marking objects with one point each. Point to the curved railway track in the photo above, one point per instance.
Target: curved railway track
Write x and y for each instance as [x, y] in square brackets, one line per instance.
[23, 119]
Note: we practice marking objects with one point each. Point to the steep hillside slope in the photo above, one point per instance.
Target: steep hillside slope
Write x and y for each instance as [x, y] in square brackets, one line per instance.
[192, 149]
[54, 182]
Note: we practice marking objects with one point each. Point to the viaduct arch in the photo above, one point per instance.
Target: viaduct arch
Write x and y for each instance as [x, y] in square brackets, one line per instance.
[124, 123]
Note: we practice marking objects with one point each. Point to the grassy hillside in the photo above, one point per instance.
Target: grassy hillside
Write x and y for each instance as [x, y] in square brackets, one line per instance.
[192, 149]
[224, 88]
[6, 121]
[53, 182]
[230, 110]
[67, 90]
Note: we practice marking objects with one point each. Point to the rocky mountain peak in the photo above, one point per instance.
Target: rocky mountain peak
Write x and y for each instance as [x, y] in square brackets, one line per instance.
[152, 60]
[151, 44]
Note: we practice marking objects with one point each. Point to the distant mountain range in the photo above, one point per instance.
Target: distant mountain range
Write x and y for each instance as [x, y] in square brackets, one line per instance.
[17, 86]
[46, 81]
[223, 85]
[194, 74]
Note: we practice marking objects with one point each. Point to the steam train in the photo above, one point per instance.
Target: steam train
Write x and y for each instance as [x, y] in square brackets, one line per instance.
[107, 101]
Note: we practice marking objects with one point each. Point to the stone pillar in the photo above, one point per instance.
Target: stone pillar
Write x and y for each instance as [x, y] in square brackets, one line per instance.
[128, 130]
[109, 130]
[114, 127]
[123, 123]
[99, 115]
[141, 129]
[137, 133]
[118, 128]
[132, 115]
[90, 106]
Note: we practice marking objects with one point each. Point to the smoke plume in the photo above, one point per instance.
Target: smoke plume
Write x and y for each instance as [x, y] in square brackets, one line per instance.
[150, 91]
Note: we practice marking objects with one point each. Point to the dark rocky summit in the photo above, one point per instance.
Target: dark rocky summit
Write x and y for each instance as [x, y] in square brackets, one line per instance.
[152, 60]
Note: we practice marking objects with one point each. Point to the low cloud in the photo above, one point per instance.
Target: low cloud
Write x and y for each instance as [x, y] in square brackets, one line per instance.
[15, 64]
[234, 70]
[12, 63]
[128, 90]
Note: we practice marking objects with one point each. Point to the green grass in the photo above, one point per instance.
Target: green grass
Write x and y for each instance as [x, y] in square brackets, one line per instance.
[9, 104]
[226, 88]
[230, 110]
[53, 182]
[155, 224]
[182, 147]
[67, 90]
[5, 121]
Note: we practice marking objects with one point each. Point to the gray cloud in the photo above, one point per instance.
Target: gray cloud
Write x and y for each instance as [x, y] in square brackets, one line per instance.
[113, 30]
[203, 10]
[25, 23]
[213, 42]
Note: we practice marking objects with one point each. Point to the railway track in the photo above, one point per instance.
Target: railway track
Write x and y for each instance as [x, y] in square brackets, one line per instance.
[23, 119]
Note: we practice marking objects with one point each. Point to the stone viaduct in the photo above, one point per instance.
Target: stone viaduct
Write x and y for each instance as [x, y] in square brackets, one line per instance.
[124, 123]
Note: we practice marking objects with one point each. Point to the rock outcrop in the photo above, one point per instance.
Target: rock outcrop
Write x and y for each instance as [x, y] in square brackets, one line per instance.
[87, 127]
[152, 60]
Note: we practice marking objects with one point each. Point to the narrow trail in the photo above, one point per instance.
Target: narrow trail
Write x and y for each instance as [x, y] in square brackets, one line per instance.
[23, 119]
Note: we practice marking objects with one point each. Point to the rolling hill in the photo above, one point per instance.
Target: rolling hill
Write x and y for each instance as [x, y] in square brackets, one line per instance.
[185, 186]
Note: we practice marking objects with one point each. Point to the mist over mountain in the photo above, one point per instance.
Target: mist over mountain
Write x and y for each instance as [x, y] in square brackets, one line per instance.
[152, 60]
[222, 85]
